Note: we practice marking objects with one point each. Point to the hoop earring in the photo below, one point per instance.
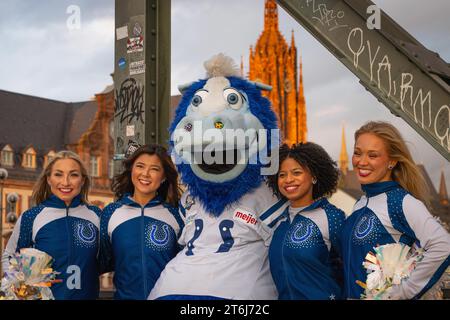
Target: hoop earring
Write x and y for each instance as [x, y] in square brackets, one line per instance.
[314, 181]
[390, 167]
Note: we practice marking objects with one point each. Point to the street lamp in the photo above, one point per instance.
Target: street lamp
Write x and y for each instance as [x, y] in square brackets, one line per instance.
[3, 177]
[11, 217]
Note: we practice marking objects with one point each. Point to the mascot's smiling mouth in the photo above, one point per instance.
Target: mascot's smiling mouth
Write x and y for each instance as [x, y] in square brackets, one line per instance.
[223, 164]
[214, 166]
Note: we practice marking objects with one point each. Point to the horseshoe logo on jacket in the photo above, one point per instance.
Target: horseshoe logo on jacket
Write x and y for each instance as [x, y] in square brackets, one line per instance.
[86, 232]
[364, 227]
[155, 240]
[304, 234]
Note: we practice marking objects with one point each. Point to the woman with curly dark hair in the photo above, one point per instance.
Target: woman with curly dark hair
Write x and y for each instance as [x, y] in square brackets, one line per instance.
[139, 232]
[303, 251]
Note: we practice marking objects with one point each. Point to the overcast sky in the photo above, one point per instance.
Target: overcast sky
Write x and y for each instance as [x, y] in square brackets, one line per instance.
[42, 57]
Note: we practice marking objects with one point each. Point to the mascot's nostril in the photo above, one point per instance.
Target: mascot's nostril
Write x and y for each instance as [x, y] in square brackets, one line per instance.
[188, 127]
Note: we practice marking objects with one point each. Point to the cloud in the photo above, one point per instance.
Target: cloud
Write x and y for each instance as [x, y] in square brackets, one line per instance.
[53, 58]
[329, 111]
[32, 13]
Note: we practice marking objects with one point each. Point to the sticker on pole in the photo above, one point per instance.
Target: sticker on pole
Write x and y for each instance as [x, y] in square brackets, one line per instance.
[122, 63]
[137, 29]
[122, 32]
[130, 131]
[137, 67]
[135, 44]
[132, 147]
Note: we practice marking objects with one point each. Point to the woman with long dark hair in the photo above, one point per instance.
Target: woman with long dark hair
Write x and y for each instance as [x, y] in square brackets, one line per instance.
[139, 231]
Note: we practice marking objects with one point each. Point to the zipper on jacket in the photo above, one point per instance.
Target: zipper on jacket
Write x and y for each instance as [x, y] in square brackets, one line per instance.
[288, 220]
[69, 259]
[142, 251]
[349, 242]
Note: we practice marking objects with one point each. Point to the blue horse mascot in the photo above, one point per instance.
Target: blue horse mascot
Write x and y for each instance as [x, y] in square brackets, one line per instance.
[224, 138]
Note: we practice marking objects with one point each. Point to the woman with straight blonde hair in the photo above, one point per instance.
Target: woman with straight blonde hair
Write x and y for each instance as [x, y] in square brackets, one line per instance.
[63, 225]
[42, 189]
[392, 210]
[405, 172]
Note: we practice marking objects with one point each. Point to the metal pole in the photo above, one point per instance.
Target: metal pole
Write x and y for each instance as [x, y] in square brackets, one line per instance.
[141, 74]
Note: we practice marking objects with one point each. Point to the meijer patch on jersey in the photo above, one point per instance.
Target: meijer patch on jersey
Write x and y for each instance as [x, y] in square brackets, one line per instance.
[245, 216]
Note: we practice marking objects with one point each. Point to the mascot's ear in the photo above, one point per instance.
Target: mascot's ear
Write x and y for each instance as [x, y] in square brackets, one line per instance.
[262, 86]
[183, 87]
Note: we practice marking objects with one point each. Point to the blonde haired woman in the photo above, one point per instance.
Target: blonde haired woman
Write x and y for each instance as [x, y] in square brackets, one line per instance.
[392, 210]
[63, 225]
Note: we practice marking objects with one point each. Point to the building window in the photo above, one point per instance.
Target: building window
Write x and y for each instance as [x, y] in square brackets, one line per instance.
[111, 169]
[49, 157]
[7, 156]
[29, 159]
[94, 167]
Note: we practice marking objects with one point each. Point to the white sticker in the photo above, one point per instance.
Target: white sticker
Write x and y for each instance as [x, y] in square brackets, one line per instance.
[137, 67]
[130, 131]
[122, 32]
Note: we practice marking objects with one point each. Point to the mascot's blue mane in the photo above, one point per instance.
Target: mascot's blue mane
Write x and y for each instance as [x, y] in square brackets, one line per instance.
[215, 197]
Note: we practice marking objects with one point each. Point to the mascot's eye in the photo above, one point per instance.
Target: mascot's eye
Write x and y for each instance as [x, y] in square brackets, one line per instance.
[233, 98]
[196, 100]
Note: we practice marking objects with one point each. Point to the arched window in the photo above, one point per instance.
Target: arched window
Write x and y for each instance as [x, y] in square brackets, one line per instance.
[29, 158]
[7, 156]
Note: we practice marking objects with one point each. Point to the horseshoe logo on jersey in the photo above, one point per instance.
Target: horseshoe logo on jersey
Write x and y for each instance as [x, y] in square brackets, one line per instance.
[161, 241]
[86, 232]
[301, 233]
[364, 227]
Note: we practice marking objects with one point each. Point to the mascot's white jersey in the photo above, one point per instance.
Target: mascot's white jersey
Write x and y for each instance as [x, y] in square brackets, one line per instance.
[226, 256]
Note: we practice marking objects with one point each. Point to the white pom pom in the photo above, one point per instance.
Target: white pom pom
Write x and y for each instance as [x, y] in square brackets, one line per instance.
[221, 66]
